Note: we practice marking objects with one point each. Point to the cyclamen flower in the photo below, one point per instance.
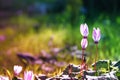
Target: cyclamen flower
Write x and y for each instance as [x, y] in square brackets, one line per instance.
[4, 78]
[17, 69]
[84, 43]
[28, 75]
[84, 30]
[96, 35]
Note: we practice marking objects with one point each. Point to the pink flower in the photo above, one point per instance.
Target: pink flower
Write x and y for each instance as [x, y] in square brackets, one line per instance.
[84, 30]
[2, 37]
[96, 35]
[84, 43]
[4, 78]
[17, 69]
[28, 75]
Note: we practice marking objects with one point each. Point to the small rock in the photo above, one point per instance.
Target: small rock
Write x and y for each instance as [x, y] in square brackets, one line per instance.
[91, 77]
[41, 77]
[63, 77]
[91, 73]
[111, 75]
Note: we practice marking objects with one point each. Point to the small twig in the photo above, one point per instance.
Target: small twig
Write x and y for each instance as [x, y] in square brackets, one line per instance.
[70, 70]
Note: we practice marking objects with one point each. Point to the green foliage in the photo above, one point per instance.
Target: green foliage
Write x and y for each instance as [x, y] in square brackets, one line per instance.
[102, 65]
[118, 74]
[107, 66]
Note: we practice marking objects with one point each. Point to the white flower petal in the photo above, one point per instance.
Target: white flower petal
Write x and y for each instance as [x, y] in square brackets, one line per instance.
[96, 34]
[84, 30]
[17, 69]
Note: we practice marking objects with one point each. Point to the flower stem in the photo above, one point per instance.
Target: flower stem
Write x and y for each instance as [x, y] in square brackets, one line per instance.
[96, 57]
[82, 62]
[70, 70]
[82, 56]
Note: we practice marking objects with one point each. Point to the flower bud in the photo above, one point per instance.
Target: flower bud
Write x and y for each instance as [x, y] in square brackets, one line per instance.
[84, 43]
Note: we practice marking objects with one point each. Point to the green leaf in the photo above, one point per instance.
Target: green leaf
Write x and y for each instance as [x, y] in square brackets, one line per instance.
[103, 65]
[118, 74]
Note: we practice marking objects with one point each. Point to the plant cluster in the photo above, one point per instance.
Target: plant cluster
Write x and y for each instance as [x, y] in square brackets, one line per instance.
[84, 42]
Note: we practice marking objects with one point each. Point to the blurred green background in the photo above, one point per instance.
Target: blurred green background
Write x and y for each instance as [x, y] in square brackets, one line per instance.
[26, 26]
